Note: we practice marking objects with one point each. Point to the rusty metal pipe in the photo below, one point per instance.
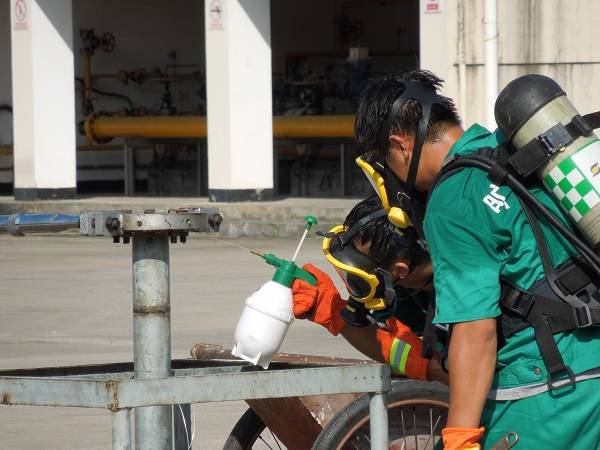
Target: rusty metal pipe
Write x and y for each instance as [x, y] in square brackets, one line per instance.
[98, 128]
[87, 75]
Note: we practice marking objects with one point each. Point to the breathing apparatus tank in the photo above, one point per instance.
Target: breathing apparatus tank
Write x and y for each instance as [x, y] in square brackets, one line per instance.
[553, 141]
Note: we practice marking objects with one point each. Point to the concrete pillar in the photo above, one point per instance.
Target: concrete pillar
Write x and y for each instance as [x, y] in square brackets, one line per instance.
[43, 99]
[238, 76]
[5, 89]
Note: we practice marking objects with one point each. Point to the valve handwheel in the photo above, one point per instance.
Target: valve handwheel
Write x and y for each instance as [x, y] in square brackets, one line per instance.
[108, 42]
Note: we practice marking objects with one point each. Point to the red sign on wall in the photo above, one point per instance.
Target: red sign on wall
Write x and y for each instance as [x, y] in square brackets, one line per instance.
[432, 6]
[21, 12]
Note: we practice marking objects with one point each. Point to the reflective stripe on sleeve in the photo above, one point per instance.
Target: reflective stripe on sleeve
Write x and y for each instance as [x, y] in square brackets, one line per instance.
[399, 356]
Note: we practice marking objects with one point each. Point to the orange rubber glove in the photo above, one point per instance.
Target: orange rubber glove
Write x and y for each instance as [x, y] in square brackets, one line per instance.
[321, 304]
[462, 438]
[401, 349]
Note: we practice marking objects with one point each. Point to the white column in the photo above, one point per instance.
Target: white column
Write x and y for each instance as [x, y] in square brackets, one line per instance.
[43, 99]
[240, 122]
[490, 22]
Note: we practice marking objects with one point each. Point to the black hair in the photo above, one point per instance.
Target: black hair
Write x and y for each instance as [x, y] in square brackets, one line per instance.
[385, 242]
[376, 101]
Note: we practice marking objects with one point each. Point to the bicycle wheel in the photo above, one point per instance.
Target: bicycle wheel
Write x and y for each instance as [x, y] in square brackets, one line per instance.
[250, 432]
[417, 412]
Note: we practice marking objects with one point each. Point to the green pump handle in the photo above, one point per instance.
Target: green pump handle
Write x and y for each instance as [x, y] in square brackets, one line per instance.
[310, 221]
[287, 271]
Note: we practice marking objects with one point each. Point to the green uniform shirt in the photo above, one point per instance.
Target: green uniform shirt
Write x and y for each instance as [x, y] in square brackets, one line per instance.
[478, 232]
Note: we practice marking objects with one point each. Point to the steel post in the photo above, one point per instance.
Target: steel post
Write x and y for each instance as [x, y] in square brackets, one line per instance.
[182, 426]
[378, 421]
[342, 169]
[129, 170]
[152, 334]
[121, 430]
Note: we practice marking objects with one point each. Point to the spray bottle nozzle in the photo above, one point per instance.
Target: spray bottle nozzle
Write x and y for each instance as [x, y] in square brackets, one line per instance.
[288, 271]
[269, 258]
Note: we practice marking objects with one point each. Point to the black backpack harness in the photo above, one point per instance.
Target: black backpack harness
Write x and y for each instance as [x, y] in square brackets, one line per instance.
[569, 296]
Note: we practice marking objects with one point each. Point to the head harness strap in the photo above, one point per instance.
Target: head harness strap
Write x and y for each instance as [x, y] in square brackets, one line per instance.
[346, 236]
[413, 90]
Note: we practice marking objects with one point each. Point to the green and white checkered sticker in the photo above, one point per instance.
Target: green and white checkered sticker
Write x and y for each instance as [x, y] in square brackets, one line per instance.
[572, 188]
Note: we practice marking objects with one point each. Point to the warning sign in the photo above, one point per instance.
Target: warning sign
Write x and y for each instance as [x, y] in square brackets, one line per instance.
[216, 18]
[432, 6]
[21, 13]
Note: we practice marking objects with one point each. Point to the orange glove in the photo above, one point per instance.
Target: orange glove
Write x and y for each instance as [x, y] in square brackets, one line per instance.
[462, 438]
[321, 304]
[401, 349]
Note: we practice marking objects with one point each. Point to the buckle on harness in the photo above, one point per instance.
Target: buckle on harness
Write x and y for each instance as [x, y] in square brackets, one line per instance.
[518, 302]
[582, 316]
[555, 139]
[559, 381]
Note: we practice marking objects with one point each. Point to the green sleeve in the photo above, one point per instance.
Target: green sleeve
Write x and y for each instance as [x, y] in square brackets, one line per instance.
[466, 266]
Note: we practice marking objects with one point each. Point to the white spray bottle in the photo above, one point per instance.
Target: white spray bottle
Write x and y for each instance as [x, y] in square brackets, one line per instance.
[269, 311]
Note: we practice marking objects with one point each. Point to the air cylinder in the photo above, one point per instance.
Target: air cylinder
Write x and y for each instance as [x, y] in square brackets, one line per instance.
[527, 108]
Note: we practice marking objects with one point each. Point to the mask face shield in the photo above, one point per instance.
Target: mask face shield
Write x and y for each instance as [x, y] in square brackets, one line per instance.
[373, 170]
[365, 281]
[355, 269]
[391, 191]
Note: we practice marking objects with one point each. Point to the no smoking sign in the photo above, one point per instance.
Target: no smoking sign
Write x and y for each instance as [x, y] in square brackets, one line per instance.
[216, 15]
[21, 12]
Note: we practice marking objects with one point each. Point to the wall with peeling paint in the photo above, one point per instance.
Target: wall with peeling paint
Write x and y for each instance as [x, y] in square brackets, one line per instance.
[552, 37]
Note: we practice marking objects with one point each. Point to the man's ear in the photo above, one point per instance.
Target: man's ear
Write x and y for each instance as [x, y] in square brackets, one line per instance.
[402, 142]
[400, 270]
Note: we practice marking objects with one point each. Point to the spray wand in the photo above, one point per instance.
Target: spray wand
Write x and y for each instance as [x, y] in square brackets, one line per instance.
[287, 270]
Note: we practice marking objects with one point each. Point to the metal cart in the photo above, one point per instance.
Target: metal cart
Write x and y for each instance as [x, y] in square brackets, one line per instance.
[152, 383]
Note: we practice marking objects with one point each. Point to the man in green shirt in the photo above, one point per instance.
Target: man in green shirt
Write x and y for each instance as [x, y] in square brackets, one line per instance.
[478, 233]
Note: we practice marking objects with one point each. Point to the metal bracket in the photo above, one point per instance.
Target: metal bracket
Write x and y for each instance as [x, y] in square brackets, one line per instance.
[177, 223]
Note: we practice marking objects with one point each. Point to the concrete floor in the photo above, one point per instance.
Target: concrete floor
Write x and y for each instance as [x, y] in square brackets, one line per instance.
[66, 300]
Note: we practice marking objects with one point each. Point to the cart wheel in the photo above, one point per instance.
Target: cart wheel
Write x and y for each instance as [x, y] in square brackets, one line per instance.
[417, 412]
[250, 432]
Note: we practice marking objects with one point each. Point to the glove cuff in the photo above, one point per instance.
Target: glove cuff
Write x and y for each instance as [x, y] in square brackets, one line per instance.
[456, 438]
[337, 323]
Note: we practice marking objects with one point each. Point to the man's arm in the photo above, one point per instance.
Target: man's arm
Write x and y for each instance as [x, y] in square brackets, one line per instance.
[363, 339]
[368, 341]
[472, 361]
[400, 347]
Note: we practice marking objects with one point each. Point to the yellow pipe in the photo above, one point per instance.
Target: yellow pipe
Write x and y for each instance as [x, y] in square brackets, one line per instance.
[99, 128]
[313, 126]
[87, 75]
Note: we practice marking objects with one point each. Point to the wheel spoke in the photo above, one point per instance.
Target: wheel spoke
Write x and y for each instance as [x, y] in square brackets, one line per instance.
[430, 426]
[415, 428]
[403, 427]
[265, 442]
[367, 437]
[276, 440]
[433, 427]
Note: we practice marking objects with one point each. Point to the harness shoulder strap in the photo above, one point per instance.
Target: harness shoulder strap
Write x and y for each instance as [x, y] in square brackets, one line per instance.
[499, 155]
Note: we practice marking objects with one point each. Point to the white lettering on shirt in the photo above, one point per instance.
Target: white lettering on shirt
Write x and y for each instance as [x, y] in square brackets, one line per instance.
[495, 200]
